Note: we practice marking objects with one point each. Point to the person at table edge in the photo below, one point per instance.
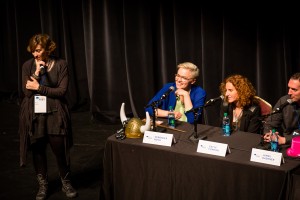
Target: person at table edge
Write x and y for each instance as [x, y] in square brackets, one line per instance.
[185, 99]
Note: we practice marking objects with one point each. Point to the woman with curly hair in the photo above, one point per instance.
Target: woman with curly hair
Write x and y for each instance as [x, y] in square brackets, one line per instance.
[44, 114]
[243, 108]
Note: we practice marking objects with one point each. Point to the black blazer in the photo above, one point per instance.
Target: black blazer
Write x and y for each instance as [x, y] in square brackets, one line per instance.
[250, 120]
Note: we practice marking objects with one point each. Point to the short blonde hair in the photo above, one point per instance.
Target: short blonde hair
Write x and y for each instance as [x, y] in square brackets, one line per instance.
[188, 65]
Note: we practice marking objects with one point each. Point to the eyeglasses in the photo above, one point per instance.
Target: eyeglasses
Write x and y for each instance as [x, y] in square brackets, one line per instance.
[183, 79]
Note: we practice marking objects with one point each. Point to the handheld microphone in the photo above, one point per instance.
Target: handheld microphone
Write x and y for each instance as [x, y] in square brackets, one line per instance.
[211, 101]
[42, 69]
[279, 109]
[167, 92]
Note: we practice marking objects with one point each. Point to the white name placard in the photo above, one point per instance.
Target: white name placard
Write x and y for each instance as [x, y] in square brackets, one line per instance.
[164, 139]
[213, 148]
[40, 104]
[266, 157]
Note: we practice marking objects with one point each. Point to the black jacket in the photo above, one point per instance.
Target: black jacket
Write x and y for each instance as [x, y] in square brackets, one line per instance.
[250, 120]
[285, 122]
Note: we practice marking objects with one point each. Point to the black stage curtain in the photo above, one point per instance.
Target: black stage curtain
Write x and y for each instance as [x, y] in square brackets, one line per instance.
[125, 50]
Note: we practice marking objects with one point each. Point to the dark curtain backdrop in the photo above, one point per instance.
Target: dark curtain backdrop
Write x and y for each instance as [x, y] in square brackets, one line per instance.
[125, 50]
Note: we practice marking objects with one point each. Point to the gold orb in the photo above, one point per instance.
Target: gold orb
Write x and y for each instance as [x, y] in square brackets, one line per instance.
[132, 129]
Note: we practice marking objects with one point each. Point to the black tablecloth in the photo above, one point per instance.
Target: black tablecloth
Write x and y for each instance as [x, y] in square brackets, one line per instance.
[134, 170]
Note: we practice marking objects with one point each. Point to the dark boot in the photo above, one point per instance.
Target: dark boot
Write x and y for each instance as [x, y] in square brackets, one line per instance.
[67, 187]
[43, 183]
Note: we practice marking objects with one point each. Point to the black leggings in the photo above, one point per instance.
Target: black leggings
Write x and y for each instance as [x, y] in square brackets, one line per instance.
[40, 155]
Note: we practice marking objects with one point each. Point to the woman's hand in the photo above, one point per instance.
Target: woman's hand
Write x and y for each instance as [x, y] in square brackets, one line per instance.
[185, 98]
[38, 63]
[182, 92]
[32, 84]
[177, 115]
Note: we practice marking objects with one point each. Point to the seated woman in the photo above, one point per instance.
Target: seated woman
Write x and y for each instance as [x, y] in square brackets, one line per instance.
[240, 104]
[185, 97]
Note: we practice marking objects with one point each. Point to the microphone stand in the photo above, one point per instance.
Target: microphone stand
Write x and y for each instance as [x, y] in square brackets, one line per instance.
[262, 144]
[154, 107]
[261, 119]
[194, 136]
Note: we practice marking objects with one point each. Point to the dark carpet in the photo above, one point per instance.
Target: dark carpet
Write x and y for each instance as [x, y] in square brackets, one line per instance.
[86, 158]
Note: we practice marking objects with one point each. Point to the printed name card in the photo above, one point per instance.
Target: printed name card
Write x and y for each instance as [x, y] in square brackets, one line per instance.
[213, 148]
[157, 138]
[40, 104]
[266, 157]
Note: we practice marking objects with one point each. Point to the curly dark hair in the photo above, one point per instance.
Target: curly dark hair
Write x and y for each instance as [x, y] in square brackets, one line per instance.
[43, 40]
[244, 87]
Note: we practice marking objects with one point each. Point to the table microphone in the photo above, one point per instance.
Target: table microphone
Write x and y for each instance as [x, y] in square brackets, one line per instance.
[279, 109]
[167, 92]
[211, 101]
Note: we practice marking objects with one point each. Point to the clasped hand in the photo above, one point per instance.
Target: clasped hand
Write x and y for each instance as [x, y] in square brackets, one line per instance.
[32, 84]
[177, 115]
[267, 137]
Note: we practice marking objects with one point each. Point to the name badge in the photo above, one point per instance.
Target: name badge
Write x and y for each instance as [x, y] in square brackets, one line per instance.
[40, 104]
[157, 138]
[213, 148]
[266, 157]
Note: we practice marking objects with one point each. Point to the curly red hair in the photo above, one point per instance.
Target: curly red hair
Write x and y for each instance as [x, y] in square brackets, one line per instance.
[244, 88]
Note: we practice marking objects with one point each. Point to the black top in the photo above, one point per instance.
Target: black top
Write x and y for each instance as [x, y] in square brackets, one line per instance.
[54, 87]
[286, 121]
[250, 120]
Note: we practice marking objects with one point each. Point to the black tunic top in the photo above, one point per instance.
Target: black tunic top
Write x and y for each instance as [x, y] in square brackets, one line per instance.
[54, 87]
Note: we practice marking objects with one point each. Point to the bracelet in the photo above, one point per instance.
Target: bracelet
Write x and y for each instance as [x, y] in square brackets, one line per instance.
[35, 76]
[39, 88]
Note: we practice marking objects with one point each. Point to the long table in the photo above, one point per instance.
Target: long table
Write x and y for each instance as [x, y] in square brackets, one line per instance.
[134, 170]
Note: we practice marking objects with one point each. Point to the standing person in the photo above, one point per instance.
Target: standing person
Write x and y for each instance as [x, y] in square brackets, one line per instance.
[44, 115]
[185, 97]
[287, 120]
[243, 108]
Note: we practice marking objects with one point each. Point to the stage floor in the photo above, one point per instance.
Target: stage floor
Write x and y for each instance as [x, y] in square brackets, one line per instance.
[86, 158]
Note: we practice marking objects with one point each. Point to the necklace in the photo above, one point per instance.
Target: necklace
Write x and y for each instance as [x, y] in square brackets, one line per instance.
[236, 119]
[236, 116]
[50, 64]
